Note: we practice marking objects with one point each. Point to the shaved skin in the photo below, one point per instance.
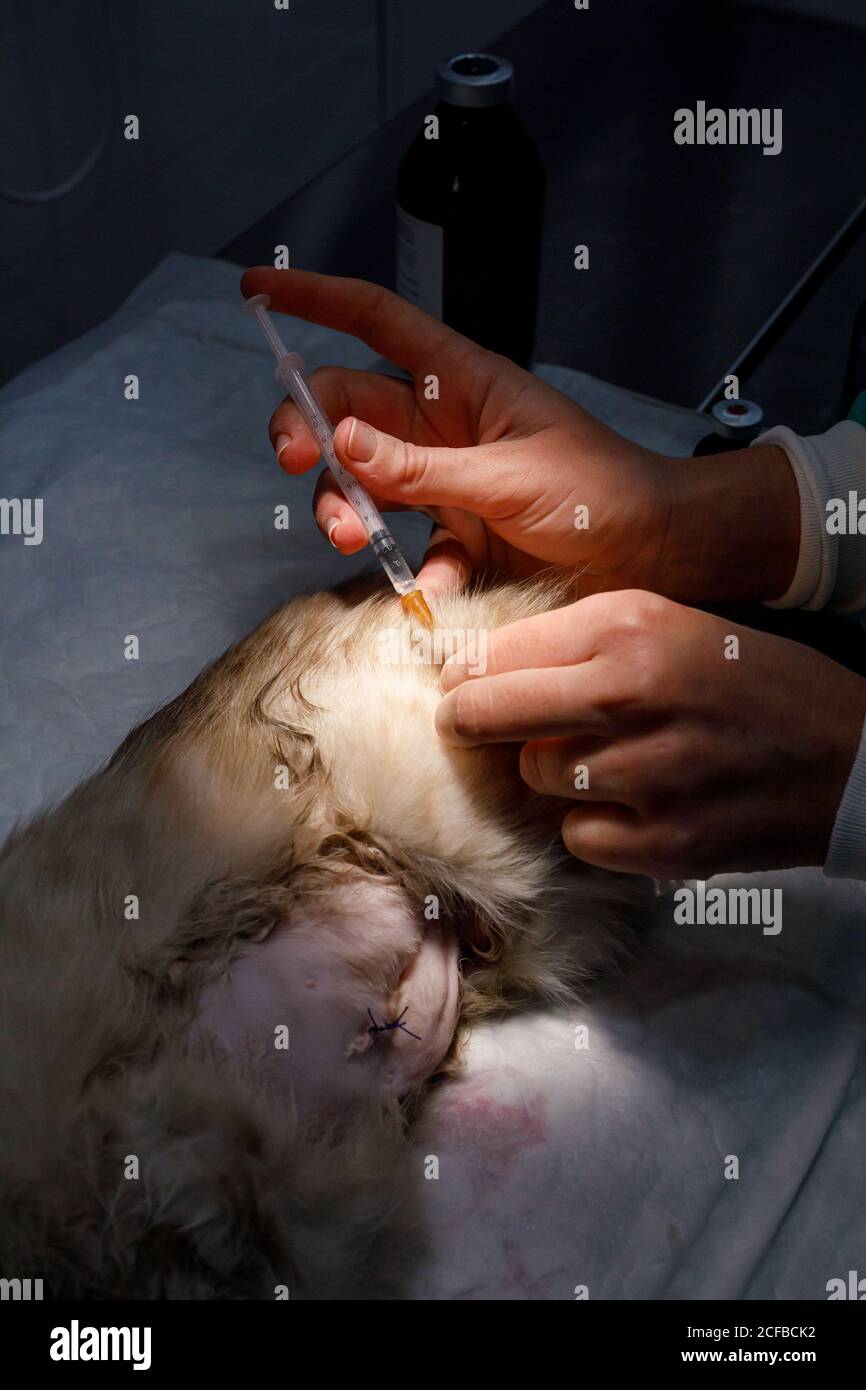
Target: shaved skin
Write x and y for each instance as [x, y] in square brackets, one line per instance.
[299, 1004]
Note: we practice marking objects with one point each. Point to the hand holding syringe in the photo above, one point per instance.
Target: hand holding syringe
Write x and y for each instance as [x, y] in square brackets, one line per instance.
[290, 374]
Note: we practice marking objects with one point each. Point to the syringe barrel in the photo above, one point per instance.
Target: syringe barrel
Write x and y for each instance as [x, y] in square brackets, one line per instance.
[289, 372]
[291, 377]
[391, 559]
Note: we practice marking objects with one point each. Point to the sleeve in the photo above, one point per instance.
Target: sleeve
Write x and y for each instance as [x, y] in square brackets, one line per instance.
[846, 856]
[831, 477]
[831, 573]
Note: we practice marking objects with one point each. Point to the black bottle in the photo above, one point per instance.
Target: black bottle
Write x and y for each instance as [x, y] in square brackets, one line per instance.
[469, 209]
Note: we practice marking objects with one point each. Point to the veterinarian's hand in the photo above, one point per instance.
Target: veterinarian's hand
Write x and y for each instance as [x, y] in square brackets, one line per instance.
[518, 477]
[690, 746]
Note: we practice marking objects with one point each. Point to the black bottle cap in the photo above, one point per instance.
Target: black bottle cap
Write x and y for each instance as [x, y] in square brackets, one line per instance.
[475, 79]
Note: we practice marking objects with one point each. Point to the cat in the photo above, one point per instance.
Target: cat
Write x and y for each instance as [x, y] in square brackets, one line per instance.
[234, 958]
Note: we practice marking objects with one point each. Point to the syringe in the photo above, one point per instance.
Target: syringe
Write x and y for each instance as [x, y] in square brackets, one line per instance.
[289, 372]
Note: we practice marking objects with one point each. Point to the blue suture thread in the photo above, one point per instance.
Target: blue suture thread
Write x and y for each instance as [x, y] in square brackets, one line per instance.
[386, 1027]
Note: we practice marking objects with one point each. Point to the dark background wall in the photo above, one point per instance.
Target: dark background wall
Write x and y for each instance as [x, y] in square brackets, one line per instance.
[840, 11]
[240, 105]
[261, 126]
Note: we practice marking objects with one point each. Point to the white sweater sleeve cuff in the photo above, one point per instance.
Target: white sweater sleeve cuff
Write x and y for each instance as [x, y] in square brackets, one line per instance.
[846, 857]
[830, 469]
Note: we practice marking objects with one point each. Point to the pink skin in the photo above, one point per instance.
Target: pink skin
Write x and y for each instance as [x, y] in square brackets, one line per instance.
[318, 979]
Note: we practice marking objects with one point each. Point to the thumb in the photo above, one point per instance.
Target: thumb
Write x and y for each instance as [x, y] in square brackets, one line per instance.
[475, 478]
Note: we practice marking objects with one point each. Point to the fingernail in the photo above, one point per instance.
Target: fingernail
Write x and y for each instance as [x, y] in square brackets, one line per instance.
[331, 528]
[280, 443]
[361, 444]
[452, 673]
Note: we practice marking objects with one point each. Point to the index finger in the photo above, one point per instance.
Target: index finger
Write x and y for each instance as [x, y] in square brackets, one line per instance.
[517, 706]
[559, 637]
[380, 318]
